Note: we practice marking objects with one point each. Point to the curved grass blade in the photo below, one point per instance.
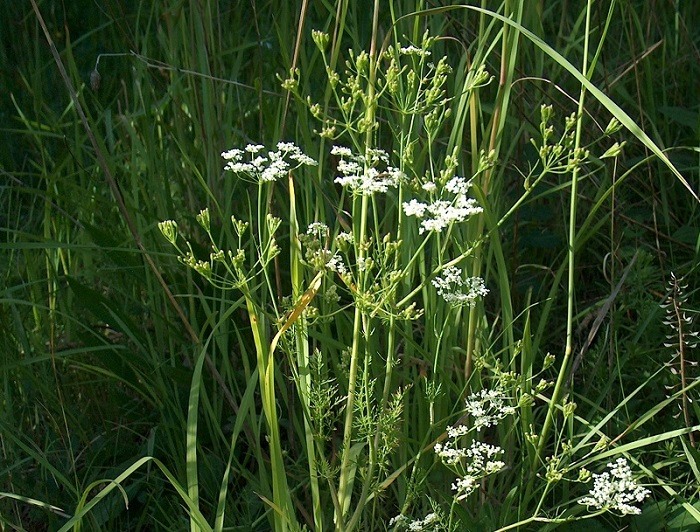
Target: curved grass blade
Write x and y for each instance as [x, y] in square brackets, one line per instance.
[195, 513]
[599, 95]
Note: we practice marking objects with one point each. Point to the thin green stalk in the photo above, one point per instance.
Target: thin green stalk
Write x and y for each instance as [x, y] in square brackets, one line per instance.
[561, 378]
[280, 490]
[302, 353]
[509, 52]
[345, 483]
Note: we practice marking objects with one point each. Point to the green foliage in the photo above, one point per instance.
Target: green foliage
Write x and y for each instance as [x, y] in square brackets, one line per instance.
[185, 346]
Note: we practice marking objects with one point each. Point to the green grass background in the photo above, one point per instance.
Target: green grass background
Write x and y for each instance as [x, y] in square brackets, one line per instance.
[96, 362]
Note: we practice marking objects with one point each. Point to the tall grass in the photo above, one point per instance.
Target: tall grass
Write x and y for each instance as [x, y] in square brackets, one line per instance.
[304, 379]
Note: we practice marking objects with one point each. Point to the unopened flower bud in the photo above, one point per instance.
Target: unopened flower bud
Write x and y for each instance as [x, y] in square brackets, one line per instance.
[95, 79]
[613, 151]
[321, 39]
[169, 230]
[613, 127]
[204, 220]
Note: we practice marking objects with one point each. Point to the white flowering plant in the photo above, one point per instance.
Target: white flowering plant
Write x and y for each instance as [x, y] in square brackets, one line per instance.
[378, 255]
[482, 409]
[420, 284]
[266, 166]
[615, 490]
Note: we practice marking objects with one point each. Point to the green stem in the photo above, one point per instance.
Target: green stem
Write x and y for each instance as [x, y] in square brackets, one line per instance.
[280, 491]
[561, 378]
[345, 482]
[509, 52]
[347, 469]
[303, 377]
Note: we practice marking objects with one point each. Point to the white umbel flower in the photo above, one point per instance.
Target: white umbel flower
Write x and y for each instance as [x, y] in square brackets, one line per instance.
[361, 175]
[459, 291]
[615, 490]
[453, 206]
[269, 167]
[488, 407]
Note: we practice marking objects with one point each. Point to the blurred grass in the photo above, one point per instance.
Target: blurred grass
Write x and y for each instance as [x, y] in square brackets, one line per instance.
[95, 364]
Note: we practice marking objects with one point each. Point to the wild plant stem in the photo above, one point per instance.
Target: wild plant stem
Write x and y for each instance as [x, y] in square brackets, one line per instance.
[561, 378]
[280, 490]
[345, 482]
[302, 355]
[509, 48]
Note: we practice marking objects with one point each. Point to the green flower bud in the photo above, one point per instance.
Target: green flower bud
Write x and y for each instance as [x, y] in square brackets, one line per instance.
[273, 223]
[584, 475]
[545, 114]
[169, 230]
[239, 226]
[204, 220]
[526, 400]
[362, 62]
[549, 359]
[613, 127]
[321, 39]
[569, 409]
[613, 151]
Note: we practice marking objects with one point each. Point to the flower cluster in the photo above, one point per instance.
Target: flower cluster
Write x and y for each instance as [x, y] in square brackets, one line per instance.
[616, 490]
[488, 407]
[458, 291]
[336, 264]
[481, 461]
[315, 244]
[360, 174]
[434, 521]
[318, 230]
[316, 252]
[270, 167]
[414, 50]
[439, 214]
[450, 452]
